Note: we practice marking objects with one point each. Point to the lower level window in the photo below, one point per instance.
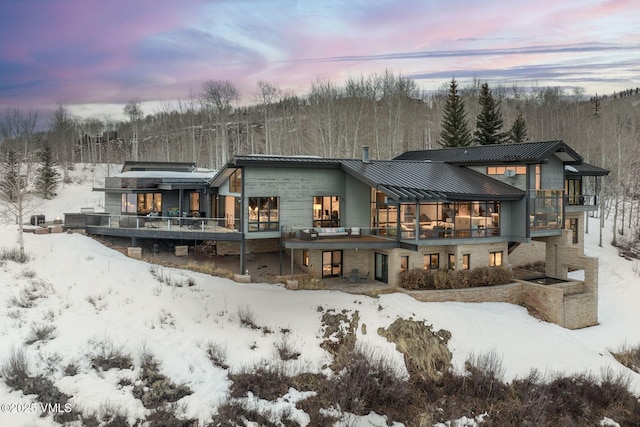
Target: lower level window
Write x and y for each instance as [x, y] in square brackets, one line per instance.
[404, 263]
[305, 257]
[431, 262]
[495, 259]
[466, 261]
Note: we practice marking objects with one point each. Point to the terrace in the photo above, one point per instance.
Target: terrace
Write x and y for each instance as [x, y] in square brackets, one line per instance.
[187, 228]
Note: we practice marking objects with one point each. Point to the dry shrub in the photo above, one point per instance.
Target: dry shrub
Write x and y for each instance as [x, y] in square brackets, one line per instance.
[15, 372]
[286, 349]
[455, 279]
[369, 382]
[110, 356]
[217, 354]
[266, 381]
[41, 332]
[413, 279]
[155, 389]
[246, 317]
[425, 352]
[208, 268]
[629, 356]
[237, 413]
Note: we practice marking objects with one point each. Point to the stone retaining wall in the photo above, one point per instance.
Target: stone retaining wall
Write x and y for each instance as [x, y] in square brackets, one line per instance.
[559, 304]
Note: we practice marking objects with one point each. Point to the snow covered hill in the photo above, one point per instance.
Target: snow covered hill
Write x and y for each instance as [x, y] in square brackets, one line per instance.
[94, 299]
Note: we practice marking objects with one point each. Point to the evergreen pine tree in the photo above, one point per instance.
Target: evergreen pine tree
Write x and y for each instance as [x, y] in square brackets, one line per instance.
[48, 177]
[10, 176]
[455, 130]
[518, 132]
[489, 122]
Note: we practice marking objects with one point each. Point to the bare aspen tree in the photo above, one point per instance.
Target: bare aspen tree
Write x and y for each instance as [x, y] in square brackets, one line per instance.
[133, 110]
[266, 95]
[218, 97]
[63, 132]
[18, 126]
[16, 201]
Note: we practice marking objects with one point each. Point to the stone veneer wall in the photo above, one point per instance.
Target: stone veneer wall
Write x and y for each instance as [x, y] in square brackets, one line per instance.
[556, 303]
[527, 253]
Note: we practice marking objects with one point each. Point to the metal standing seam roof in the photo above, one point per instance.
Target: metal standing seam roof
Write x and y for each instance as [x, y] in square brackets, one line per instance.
[585, 169]
[527, 152]
[423, 181]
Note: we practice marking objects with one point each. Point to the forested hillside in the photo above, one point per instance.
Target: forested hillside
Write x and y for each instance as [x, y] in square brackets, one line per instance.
[384, 111]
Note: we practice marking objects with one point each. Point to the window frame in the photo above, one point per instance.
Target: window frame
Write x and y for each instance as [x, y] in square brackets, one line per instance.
[265, 207]
[493, 257]
[430, 265]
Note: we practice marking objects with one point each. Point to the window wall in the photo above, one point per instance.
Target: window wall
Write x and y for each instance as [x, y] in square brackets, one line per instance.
[546, 209]
[451, 220]
[141, 203]
[264, 214]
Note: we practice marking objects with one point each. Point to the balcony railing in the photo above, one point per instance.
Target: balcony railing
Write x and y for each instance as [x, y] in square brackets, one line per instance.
[391, 233]
[163, 223]
[580, 200]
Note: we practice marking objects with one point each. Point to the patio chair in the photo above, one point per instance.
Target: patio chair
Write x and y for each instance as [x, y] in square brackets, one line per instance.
[364, 278]
[355, 232]
[354, 275]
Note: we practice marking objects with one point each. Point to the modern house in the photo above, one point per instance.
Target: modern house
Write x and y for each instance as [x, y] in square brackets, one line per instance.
[456, 208]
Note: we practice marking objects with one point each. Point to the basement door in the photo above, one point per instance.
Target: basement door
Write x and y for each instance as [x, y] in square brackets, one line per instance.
[331, 263]
[382, 268]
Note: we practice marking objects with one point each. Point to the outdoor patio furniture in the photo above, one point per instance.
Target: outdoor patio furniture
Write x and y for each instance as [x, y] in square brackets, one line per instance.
[308, 234]
[364, 278]
[354, 232]
[354, 275]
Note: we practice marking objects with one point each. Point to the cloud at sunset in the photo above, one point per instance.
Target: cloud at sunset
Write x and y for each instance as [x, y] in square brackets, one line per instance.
[90, 52]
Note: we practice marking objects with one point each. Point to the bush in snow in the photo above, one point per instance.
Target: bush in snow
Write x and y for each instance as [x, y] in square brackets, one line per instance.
[41, 332]
[629, 356]
[110, 356]
[154, 389]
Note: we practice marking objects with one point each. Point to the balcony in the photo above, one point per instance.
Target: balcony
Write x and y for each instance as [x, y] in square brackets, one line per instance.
[580, 202]
[546, 210]
[191, 228]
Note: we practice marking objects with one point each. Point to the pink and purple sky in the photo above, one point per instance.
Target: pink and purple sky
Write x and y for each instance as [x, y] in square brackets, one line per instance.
[94, 56]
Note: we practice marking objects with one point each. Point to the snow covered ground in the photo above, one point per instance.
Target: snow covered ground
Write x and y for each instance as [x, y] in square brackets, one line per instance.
[94, 295]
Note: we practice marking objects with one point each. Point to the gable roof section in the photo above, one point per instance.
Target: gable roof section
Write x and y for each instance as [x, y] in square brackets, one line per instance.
[527, 152]
[408, 181]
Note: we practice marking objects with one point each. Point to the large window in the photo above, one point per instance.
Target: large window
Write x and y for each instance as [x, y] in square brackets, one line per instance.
[194, 204]
[235, 181]
[431, 262]
[264, 214]
[573, 188]
[326, 211]
[495, 259]
[141, 203]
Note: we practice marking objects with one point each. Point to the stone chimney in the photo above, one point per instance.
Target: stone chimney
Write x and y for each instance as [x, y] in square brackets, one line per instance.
[365, 154]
